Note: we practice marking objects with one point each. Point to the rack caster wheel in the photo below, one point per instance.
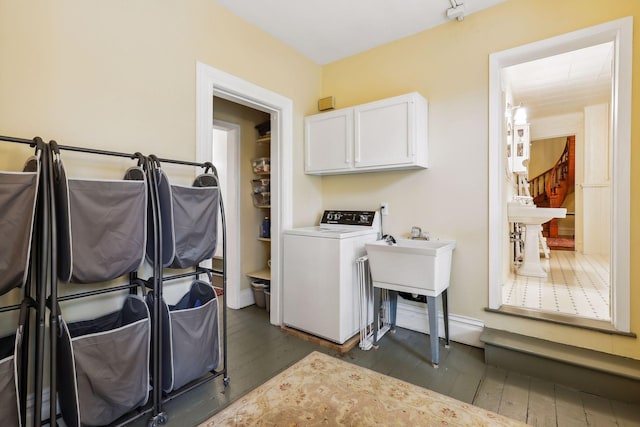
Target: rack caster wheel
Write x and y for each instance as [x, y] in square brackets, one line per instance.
[159, 419]
[162, 418]
[226, 381]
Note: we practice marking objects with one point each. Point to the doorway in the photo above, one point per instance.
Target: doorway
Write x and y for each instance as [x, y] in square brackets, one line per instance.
[225, 151]
[578, 283]
[614, 203]
[212, 82]
[248, 252]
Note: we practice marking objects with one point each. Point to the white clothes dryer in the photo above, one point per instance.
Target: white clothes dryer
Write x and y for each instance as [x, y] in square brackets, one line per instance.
[320, 285]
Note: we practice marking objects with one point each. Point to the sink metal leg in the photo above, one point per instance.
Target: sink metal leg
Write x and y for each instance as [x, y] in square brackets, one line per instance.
[376, 314]
[433, 330]
[445, 313]
[393, 308]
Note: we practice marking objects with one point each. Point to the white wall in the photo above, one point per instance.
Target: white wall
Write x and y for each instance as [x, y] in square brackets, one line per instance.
[596, 191]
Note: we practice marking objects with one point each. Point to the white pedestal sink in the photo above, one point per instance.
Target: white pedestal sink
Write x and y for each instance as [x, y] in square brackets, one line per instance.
[420, 267]
[532, 218]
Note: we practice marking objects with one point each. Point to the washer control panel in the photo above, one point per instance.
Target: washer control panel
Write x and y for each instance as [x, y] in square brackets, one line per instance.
[361, 218]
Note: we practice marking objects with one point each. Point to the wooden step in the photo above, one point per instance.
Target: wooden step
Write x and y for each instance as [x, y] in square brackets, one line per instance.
[583, 369]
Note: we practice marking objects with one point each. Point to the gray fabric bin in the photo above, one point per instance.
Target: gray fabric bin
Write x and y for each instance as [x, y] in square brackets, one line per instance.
[18, 194]
[103, 365]
[9, 405]
[189, 220]
[101, 226]
[11, 351]
[191, 342]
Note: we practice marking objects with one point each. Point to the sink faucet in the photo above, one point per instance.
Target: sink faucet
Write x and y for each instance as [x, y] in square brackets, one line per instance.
[417, 233]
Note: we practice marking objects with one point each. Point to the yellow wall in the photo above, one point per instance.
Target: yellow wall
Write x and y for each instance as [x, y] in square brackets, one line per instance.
[544, 154]
[449, 65]
[120, 75]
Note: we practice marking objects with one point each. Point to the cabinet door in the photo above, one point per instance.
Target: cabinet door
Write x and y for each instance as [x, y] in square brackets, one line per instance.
[385, 133]
[329, 142]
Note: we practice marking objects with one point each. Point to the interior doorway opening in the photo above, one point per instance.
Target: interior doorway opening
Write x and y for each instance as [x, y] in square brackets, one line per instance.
[578, 281]
[237, 147]
[602, 169]
[212, 82]
[225, 145]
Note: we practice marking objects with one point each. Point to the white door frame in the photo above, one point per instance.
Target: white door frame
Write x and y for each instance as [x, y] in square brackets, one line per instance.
[620, 32]
[232, 211]
[212, 82]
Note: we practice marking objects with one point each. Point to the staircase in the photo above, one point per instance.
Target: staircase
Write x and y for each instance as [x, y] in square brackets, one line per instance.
[550, 188]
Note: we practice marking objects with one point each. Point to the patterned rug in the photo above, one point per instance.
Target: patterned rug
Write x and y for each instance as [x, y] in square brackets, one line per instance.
[323, 390]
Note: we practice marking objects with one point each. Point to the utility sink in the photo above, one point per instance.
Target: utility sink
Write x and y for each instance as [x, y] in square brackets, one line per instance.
[532, 214]
[416, 266]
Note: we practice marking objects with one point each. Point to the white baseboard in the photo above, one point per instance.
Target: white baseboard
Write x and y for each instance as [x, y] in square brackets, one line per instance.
[413, 315]
[246, 298]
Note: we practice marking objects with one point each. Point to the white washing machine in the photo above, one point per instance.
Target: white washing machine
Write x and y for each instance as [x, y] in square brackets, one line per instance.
[320, 285]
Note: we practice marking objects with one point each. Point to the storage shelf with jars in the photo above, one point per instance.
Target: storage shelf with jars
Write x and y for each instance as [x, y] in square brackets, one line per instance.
[261, 196]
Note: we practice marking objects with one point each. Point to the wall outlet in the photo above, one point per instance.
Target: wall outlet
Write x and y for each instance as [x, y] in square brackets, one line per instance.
[384, 208]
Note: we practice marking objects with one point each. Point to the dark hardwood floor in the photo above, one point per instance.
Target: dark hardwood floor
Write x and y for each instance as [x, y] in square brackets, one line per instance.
[258, 351]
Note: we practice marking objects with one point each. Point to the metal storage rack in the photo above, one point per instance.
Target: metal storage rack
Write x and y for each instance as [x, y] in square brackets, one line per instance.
[33, 300]
[156, 282]
[43, 273]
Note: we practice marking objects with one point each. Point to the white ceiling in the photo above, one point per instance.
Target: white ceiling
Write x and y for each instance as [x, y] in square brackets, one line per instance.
[328, 30]
[563, 83]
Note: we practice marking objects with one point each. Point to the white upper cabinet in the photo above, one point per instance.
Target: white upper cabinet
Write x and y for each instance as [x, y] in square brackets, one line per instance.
[389, 134]
[329, 142]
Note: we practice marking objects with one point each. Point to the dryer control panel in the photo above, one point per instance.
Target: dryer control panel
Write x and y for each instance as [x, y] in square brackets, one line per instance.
[361, 218]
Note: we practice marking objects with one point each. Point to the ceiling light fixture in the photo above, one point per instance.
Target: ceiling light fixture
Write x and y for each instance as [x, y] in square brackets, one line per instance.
[516, 112]
[520, 116]
[456, 11]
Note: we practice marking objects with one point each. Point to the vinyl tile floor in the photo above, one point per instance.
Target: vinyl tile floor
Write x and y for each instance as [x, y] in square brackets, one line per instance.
[577, 285]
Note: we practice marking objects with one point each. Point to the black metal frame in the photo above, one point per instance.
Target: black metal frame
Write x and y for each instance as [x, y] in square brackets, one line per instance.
[53, 299]
[156, 282]
[44, 264]
[39, 258]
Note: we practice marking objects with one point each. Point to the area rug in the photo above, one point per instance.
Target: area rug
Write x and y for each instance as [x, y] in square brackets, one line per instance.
[323, 390]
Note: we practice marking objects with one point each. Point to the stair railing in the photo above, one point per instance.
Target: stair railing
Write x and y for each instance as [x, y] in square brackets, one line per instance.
[552, 183]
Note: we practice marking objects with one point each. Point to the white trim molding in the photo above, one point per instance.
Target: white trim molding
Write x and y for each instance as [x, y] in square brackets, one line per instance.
[414, 316]
[232, 208]
[620, 32]
[212, 82]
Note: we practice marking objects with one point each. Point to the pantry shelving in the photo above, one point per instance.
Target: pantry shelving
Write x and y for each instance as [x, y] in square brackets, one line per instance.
[261, 196]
